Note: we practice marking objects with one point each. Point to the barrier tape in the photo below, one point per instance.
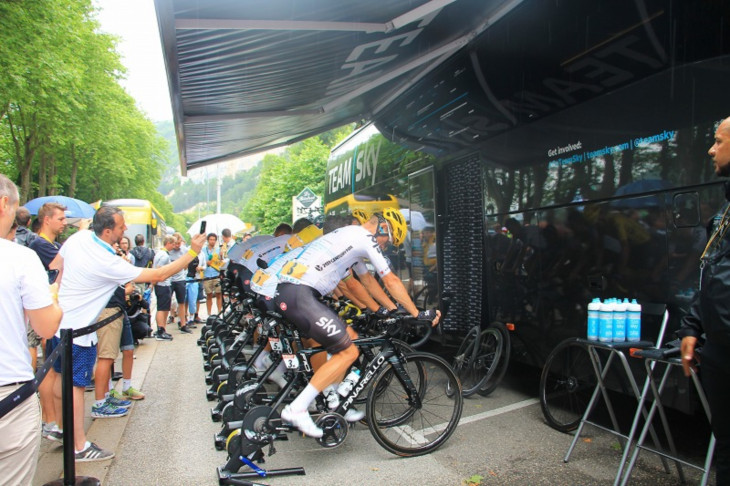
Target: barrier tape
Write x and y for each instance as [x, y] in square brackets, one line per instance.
[201, 279]
[29, 388]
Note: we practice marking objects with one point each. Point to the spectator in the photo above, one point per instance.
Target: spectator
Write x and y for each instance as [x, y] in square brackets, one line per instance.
[52, 217]
[109, 338]
[138, 312]
[23, 289]
[143, 258]
[124, 247]
[23, 236]
[90, 273]
[177, 283]
[226, 243]
[53, 222]
[163, 291]
[192, 290]
[212, 263]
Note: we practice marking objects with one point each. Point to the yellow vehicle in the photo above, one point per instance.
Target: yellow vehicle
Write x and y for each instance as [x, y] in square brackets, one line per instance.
[369, 204]
[142, 218]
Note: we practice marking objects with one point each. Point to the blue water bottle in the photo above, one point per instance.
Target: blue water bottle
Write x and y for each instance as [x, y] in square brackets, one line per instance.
[619, 320]
[593, 309]
[633, 321]
[605, 322]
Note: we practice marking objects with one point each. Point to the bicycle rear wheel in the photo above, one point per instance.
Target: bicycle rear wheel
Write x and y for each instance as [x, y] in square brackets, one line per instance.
[402, 425]
[465, 365]
[496, 356]
[566, 385]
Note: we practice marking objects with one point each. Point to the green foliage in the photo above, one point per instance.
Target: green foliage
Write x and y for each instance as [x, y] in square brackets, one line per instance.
[66, 125]
[284, 176]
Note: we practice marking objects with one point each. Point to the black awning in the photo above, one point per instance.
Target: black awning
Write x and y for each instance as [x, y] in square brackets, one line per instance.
[248, 76]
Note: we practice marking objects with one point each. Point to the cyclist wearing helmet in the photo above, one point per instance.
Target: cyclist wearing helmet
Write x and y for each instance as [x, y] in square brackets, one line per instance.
[315, 270]
[360, 216]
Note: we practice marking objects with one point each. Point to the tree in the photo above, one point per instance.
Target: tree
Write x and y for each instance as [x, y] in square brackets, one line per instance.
[284, 176]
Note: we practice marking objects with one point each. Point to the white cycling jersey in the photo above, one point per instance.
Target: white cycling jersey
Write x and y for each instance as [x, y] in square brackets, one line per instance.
[235, 253]
[265, 250]
[325, 261]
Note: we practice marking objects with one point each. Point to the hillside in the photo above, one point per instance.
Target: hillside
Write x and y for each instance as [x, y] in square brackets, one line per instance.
[196, 194]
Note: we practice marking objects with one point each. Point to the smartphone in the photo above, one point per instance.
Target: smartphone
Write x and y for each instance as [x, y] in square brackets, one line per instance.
[202, 227]
[52, 276]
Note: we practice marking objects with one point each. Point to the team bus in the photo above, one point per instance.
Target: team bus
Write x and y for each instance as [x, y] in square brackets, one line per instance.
[142, 218]
[561, 157]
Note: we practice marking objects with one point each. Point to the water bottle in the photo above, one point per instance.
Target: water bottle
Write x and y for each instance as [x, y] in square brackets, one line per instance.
[593, 308]
[633, 321]
[349, 382]
[619, 320]
[605, 321]
[333, 399]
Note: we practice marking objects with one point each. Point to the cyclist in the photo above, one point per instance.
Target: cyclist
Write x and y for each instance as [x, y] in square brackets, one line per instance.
[314, 271]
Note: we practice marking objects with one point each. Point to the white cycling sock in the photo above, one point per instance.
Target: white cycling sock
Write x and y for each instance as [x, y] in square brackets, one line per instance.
[126, 385]
[99, 403]
[259, 363]
[277, 376]
[306, 397]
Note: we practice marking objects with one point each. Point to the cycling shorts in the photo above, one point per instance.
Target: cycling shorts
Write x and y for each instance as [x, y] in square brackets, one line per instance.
[300, 304]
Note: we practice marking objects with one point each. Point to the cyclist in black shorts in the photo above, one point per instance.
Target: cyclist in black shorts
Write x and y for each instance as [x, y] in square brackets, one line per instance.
[306, 274]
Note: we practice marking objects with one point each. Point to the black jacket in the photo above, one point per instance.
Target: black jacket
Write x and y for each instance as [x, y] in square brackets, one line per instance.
[710, 312]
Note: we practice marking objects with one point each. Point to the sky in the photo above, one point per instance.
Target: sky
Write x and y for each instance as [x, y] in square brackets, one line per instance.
[134, 22]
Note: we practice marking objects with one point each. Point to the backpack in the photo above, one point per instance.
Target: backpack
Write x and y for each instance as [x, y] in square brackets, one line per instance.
[143, 256]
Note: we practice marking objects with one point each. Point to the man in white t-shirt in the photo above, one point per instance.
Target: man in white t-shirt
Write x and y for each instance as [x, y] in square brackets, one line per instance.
[23, 288]
[90, 272]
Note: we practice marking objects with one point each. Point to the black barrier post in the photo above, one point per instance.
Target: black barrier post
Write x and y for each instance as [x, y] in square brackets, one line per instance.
[67, 413]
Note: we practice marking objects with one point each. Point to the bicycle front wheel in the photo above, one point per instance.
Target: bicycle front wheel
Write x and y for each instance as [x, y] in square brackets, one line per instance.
[566, 385]
[412, 419]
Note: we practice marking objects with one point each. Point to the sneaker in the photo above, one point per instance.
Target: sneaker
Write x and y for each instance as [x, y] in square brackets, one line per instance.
[185, 330]
[170, 320]
[198, 320]
[54, 434]
[93, 453]
[107, 410]
[161, 335]
[354, 415]
[191, 325]
[133, 394]
[302, 421]
[115, 398]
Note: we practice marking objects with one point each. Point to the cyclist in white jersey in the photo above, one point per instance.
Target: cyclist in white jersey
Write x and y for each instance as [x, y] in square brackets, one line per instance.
[314, 271]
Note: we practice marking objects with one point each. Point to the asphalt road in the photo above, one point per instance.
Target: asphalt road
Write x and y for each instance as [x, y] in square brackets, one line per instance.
[168, 440]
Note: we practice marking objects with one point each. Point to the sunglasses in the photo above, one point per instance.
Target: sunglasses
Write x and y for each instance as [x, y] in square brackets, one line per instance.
[384, 230]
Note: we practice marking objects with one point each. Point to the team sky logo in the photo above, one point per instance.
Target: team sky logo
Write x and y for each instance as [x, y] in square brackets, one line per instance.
[328, 325]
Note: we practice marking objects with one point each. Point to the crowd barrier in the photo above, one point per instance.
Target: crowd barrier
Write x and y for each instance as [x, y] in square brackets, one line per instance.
[21, 394]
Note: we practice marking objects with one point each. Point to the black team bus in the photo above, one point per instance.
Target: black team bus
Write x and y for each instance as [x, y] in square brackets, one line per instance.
[560, 157]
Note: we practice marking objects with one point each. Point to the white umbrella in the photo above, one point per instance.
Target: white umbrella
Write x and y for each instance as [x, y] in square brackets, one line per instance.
[414, 219]
[215, 223]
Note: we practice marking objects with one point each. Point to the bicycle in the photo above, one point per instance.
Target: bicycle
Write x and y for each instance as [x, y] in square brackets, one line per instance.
[482, 359]
[566, 385]
[410, 410]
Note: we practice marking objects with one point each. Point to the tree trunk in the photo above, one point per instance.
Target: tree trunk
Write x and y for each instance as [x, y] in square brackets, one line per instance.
[24, 141]
[43, 175]
[74, 172]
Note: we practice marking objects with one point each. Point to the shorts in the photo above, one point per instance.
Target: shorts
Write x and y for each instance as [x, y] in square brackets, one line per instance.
[300, 304]
[83, 360]
[127, 340]
[212, 286]
[164, 297]
[243, 280]
[34, 340]
[201, 293]
[178, 288]
[109, 335]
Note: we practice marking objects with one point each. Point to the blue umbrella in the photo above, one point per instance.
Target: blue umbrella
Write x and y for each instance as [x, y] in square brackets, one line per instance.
[75, 208]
